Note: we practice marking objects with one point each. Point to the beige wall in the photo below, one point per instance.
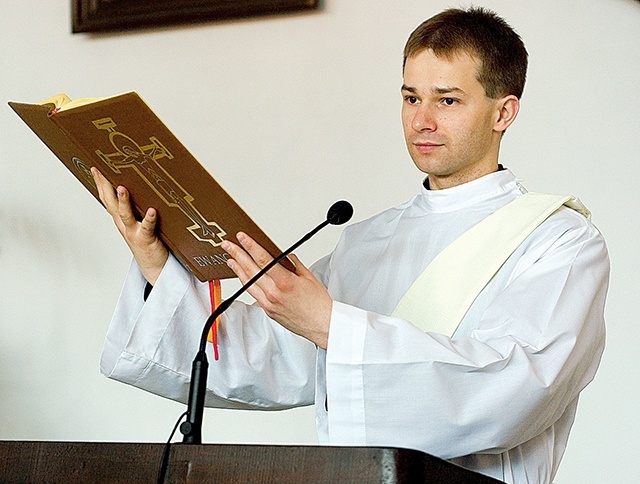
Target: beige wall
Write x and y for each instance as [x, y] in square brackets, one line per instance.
[290, 114]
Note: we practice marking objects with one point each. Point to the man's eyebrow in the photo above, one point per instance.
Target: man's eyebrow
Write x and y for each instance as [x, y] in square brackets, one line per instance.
[435, 90]
[447, 90]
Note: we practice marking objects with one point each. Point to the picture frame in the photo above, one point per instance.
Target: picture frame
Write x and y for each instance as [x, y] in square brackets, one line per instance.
[118, 15]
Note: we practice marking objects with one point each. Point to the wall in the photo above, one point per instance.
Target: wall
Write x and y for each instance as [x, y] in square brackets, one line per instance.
[291, 113]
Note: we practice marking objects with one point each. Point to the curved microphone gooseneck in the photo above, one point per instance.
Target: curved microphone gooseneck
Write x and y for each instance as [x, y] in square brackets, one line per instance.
[338, 214]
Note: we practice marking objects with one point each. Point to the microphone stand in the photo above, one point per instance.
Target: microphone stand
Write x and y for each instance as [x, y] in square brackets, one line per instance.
[339, 213]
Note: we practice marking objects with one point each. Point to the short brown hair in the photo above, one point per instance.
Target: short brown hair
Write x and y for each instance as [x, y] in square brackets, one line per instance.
[479, 32]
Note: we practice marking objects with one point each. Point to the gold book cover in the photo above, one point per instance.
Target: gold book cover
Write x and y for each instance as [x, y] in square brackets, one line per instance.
[131, 146]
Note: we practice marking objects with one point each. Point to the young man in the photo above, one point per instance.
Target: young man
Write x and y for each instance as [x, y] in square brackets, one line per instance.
[499, 394]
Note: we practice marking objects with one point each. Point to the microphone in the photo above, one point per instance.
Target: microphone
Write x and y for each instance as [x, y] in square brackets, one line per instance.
[339, 213]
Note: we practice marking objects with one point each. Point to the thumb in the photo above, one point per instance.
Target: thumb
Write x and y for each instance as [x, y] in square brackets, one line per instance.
[148, 224]
[301, 269]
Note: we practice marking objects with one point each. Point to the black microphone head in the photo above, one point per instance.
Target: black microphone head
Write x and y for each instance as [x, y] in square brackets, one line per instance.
[339, 213]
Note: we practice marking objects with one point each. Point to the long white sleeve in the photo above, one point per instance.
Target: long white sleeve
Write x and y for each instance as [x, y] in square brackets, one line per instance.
[151, 345]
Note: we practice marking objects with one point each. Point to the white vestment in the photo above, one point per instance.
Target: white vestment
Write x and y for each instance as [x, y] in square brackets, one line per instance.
[498, 397]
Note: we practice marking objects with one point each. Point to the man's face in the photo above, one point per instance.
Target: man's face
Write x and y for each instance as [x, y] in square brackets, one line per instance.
[449, 123]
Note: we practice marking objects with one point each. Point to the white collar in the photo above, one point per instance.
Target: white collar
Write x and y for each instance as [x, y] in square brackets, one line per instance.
[489, 187]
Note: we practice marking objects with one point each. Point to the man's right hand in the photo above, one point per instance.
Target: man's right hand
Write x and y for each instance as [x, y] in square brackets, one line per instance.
[148, 250]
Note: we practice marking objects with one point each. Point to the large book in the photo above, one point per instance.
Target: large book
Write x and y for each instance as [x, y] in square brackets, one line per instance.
[131, 146]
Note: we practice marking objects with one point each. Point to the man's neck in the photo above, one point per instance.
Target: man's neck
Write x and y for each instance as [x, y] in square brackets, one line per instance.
[425, 183]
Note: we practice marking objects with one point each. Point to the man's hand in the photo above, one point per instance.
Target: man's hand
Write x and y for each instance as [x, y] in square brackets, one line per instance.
[298, 301]
[148, 250]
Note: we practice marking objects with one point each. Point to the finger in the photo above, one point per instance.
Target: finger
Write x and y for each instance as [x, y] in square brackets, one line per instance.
[246, 268]
[243, 276]
[243, 264]
[125, 211]
[301, 269]
[106, 192]
[148, 224]
[261, 257]
[95, 173]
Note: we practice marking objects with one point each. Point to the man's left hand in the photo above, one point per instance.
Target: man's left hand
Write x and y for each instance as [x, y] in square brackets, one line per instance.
[296, 300]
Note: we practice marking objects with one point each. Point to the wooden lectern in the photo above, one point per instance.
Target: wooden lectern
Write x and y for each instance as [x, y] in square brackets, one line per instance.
[93, 462]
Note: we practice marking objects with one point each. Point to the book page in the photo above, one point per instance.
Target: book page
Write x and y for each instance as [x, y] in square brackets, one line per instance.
[62, 102]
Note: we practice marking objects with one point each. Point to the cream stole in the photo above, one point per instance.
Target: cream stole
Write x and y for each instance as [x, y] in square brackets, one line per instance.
[441, 296]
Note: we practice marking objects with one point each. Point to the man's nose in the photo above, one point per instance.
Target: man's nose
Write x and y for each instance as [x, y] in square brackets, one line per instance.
[424, 119]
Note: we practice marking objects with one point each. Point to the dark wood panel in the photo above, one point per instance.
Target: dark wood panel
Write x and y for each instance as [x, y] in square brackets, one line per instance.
[82, 462]
[110, 15]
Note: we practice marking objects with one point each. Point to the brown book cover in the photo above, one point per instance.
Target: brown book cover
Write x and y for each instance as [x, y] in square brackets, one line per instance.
[131, 146]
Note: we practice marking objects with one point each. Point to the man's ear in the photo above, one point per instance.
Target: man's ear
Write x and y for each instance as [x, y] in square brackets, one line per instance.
[507, 110]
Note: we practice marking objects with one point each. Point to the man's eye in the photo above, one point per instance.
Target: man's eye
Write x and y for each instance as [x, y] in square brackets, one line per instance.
[449, 101]
[411, 99]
